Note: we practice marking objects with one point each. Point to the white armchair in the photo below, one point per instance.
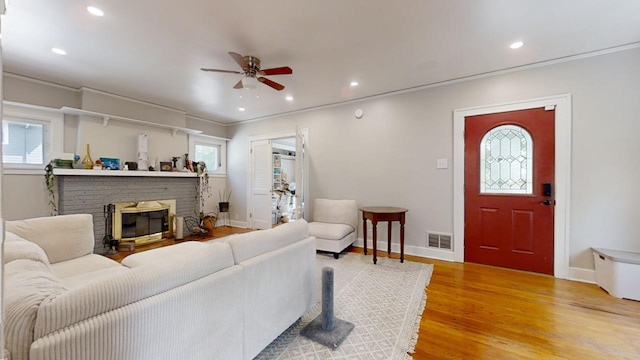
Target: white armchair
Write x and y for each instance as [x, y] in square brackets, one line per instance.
[335, 224]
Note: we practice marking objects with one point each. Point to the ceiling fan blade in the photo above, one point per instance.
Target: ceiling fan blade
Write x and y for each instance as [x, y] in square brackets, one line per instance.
[285, 70]
[273, 84]
[238, 85]
[240, 60]
[222, 71]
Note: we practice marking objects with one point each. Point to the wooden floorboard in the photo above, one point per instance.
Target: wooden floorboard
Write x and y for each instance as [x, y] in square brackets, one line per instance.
[482, 312]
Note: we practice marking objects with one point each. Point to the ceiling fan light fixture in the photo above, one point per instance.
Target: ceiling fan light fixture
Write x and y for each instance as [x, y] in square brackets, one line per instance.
[249, 82]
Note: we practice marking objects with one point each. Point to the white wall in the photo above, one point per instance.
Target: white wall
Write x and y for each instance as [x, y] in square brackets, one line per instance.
[25, 195]
[2, 9]
[388, 157]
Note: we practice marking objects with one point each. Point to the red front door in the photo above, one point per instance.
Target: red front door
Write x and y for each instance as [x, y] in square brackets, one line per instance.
[509, 189]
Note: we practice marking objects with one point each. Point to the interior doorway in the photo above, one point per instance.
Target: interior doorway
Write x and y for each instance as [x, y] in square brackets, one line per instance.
[283, 198]
[277, 178]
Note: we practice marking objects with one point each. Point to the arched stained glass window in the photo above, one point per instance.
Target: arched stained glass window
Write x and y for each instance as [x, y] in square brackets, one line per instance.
[506, 161]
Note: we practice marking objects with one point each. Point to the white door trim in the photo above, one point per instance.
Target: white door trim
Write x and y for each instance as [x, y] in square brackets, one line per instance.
[562, 105]
[271, 137]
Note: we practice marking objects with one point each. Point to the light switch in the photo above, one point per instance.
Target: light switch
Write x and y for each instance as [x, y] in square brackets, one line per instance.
[442, 164]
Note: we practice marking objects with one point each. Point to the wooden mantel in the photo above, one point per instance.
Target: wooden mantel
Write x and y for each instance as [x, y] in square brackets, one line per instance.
[84, 172]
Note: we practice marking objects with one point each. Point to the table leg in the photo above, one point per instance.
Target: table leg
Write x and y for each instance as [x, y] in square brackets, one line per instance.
[402, 240]
[389, 238]
[375, 241]
[364, 233]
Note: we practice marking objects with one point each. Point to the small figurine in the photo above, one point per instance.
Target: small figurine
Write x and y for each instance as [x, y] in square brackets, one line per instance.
[175, 162]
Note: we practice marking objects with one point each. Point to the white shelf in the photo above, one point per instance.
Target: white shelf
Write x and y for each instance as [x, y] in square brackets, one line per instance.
[84, 172]
[106, 117]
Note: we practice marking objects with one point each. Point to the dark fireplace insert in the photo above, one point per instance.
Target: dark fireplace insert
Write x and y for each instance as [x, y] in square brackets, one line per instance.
[144, 223]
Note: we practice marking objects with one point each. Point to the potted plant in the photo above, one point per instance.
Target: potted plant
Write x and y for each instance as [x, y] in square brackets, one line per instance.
[49, 180]
[202, 187]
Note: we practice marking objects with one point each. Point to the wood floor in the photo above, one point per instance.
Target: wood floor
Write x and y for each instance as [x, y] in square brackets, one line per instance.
[482, 312]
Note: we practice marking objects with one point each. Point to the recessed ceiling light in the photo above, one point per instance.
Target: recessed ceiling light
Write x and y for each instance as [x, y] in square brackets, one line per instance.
[58, 51]
[354, 84]
[95, 11]
[289, 98]
[241, 109]
[516, 45]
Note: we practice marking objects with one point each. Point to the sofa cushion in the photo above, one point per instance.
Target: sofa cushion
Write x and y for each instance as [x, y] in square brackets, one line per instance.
[81, 280]
[85, 269]
[251, 244]
[61, 237]
[336, 211]
[224, 239]
[28, 284]
[220, 256]
[329, 231]
[82, 265]
[16, 248]
[140, 282]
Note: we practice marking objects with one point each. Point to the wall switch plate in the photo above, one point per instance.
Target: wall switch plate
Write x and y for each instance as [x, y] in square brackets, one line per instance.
[442, 164]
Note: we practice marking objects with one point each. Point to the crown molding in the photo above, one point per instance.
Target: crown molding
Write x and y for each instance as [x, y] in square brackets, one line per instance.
[125, 98]
[40, 82]
[570, 58]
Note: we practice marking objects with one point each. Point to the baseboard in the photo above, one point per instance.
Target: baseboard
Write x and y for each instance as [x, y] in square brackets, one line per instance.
[575, 274]
[238, 224]
[582, 275]
[419, 251]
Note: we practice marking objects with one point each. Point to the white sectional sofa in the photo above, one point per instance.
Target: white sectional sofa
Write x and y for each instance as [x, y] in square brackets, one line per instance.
[225, 299]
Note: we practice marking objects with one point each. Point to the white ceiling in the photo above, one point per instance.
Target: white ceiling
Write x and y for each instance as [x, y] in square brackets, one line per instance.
[152, 50]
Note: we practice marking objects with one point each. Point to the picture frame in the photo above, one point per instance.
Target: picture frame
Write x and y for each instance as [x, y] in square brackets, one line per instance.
[166, 166]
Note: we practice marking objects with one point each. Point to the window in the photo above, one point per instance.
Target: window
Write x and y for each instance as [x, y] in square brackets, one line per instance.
[211, 150]
[506, 161]
[30, 136]
[22, 143]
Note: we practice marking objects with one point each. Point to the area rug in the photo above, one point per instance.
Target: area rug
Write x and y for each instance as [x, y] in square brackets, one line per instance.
[384, 301]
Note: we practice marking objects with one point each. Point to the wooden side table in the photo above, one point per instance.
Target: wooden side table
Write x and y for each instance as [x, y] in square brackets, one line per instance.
[383, 213]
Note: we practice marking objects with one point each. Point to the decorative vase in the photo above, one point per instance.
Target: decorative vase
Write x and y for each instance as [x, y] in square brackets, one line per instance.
[223, 206]
[87, 162]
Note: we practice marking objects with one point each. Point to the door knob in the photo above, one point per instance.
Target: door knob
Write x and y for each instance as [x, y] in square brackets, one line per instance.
[548, 202]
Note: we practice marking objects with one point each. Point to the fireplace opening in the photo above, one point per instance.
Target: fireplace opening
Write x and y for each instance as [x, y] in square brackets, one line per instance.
[144, 222]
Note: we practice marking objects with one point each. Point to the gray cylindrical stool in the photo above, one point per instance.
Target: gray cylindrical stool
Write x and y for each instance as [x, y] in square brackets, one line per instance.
[327, 299]
[327, 329]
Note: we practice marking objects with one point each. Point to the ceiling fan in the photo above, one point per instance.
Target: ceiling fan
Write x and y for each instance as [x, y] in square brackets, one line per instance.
[251, 69]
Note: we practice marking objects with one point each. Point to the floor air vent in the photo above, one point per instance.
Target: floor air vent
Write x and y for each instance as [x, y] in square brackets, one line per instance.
[439, 240]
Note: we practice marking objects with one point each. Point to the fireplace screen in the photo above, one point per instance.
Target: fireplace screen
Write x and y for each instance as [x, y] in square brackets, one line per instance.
[144, 223]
